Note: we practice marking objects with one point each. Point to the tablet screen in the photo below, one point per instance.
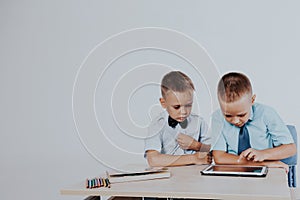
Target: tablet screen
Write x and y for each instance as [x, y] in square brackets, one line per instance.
[235, 170]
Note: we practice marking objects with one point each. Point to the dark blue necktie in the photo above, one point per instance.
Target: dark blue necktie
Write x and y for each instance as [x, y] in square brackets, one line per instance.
[244, 142]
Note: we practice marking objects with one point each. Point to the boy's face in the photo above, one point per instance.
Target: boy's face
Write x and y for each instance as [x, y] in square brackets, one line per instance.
[178, 104]
[238, 112]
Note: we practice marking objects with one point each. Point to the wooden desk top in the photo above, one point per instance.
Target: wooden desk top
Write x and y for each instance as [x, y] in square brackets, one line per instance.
[187, 182]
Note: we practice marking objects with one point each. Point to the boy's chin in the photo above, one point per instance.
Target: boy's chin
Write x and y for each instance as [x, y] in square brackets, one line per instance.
[239, 125]
[181, 119]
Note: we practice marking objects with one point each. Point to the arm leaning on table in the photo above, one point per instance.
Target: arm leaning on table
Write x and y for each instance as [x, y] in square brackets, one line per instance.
[221, 157]
[156, 159]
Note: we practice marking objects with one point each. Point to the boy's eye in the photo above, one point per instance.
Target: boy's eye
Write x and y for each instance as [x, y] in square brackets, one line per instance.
[241, 115]
[176, 107]
[188, 105]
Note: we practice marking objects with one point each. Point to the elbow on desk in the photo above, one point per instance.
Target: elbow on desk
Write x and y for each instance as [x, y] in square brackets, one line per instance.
[152, 159]
[153, 162]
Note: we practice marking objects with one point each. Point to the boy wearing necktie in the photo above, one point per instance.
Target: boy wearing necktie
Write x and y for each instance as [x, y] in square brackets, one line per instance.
[176, 137]
[245, 132]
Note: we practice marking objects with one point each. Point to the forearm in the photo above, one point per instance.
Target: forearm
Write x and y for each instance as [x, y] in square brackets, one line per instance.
[280, 152]
[221, 157]
[157, 160]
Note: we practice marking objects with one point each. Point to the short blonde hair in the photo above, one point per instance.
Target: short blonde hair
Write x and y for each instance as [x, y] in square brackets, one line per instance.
[177, 82]
[233, 86]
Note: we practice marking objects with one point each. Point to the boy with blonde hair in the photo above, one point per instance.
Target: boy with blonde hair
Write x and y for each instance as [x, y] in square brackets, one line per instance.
[245, 132]
[176, 136]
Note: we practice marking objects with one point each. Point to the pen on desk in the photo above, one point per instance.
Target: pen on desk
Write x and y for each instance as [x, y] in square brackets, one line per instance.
[107, 183]
[104, 182]
[98, 182]
[107, 179]
[101, 182]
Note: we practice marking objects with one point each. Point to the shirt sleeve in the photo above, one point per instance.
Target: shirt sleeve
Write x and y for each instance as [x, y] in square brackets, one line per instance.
[218, 141]
[203, 135]
[153, 140]
[277, 129]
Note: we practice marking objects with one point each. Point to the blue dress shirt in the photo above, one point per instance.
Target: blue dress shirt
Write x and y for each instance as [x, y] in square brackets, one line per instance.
[266, 130]
[162, 137]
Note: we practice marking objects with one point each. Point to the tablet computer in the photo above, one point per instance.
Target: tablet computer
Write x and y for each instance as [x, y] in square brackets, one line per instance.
[235, 170]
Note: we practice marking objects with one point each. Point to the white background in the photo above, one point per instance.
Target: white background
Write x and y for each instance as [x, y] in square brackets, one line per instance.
[43, 43]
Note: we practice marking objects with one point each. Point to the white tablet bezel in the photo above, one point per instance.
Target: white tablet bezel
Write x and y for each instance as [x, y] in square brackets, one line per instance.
[262, 173]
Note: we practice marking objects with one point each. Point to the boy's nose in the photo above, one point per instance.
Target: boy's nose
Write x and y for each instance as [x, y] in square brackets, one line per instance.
[183, 110]
[235, 120]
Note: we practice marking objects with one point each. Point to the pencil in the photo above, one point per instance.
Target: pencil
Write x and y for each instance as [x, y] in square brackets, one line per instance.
[108, 183]
[107, 179]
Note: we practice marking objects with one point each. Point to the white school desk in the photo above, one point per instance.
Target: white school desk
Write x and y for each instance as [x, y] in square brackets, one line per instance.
[187, 182]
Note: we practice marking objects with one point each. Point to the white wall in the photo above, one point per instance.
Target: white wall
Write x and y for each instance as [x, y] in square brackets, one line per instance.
[43, 45]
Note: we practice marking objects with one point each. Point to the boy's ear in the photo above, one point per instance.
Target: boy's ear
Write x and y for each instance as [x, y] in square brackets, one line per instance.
[162, 102]
[253, 99]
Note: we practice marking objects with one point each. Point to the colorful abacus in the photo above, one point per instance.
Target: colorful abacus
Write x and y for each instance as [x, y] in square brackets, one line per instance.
[97, 182]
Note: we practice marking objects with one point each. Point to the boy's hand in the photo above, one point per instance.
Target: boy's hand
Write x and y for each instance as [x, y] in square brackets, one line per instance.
[253, 154]
[185, 141]
[203, 158]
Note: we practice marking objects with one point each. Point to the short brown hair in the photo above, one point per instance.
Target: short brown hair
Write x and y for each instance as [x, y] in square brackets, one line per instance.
[233, 86]
[177, 82]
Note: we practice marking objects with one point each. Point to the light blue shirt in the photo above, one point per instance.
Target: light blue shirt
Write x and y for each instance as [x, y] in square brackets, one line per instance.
[162, 137]
[266, 130]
